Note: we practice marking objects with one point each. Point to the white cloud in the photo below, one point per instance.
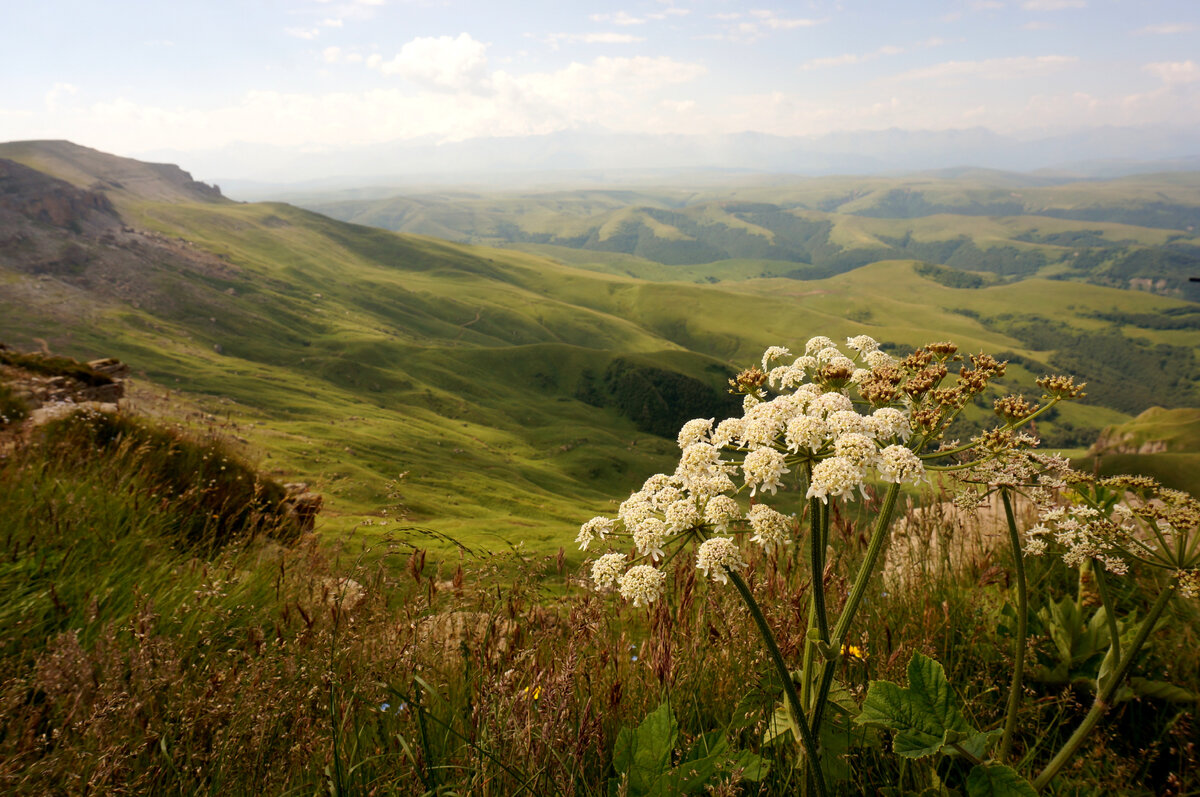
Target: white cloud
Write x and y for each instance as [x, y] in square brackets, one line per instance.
[619, 18]
[991, 68]
[756, 24]
[557, 39]
[332, 55]
[623, 94]
[776, 22]
[332, 22]
[1174, 72]
[303, 33]
[985, 5]
[1052, 5]
[847, 59]
[443, 62]
[1168, 28]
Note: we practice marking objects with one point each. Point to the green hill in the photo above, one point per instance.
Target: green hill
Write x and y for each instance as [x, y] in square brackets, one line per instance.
[1137, 232]
[490, 394]
[1161, 443]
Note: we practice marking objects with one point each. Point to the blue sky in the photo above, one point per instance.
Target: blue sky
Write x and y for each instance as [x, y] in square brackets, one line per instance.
[132, 77]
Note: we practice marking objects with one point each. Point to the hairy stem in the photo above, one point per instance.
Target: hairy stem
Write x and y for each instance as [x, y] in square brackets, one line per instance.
[1114, 633]
[842, 629]
[1014, 692]
[789, 688]
[1072, 745]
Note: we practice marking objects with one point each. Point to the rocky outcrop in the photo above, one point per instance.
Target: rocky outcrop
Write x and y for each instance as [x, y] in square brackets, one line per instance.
[301, 506]
[39, 380]
[45, 199]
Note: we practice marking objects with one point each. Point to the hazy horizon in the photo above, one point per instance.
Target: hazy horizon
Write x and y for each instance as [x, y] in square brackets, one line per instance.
[315, 77]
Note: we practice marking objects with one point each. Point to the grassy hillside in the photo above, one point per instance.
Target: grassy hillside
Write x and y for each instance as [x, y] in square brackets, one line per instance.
[1136, 232]
[484, 393]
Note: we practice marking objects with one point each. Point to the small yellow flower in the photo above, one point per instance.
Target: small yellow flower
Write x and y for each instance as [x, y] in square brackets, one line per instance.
[537, 692]
[854, 651]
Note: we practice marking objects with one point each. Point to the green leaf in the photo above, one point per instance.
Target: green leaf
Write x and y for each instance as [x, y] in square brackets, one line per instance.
[925, 717]
[997, 780]
[644, 754]
[1161, 690]
[754, 767]
[707, 755]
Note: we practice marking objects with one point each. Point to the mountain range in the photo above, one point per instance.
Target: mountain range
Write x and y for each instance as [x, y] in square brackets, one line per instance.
[601, 157]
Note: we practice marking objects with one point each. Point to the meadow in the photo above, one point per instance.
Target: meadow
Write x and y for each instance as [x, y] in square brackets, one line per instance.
[464, 409]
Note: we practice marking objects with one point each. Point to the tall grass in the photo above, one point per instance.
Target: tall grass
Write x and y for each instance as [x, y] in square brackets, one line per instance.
[135, 660]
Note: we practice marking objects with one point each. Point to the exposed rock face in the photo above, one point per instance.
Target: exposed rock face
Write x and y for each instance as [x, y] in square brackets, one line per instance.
[302, 506]
[40, 390]
[88, 168]
[45, 199]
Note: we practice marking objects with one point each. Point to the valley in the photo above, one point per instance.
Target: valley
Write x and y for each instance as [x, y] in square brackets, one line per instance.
[497, 395]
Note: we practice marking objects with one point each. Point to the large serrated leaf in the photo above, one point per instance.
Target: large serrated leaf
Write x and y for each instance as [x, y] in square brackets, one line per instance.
[925, 717]
[997, 780]
[644, 754]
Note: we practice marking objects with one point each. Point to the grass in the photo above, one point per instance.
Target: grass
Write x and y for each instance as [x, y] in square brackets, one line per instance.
[354, 355]
[132, 664]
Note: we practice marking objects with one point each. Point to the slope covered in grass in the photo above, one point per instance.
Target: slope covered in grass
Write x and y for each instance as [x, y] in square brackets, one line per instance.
[1137, 232]
[485, 393]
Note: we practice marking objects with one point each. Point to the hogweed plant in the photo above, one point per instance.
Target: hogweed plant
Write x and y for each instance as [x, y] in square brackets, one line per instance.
[825, 425]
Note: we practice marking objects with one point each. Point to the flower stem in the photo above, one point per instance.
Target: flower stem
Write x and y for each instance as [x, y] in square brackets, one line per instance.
[1114, 633]
[789, 688]
[1101, 705]
[1014, 693]
[838, 639]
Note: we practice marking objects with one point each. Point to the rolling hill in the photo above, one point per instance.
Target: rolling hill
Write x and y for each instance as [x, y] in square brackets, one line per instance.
[493, 395]
[1135, 232]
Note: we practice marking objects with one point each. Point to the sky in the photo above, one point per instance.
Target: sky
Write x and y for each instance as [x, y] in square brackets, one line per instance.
[135, 77]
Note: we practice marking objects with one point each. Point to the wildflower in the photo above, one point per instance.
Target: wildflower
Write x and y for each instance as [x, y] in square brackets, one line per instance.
[858, 448]
[836, 476]
[829, 403]
[717, 556]
[854, 651]
[666, 496]
[596, 527]
[862, 343]
[771, 528]
[890, 423]
[694, 431]
[727, 431]
[720, 511]
[649, 537]
[898, 464]
[635, 509]
[831, 354]
[877, 360]
[642, 584]
[774, 353]
[682, 515]
[763, 468]
[806, 431]
[846, 421]
[818, 343]
[1189, 582]
[607, 570]
[805, 363]
[786, 376]
[537, 692]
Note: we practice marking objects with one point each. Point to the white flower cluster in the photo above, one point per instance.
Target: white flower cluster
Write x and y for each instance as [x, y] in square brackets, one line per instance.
[1084, 533]
[810, 422]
